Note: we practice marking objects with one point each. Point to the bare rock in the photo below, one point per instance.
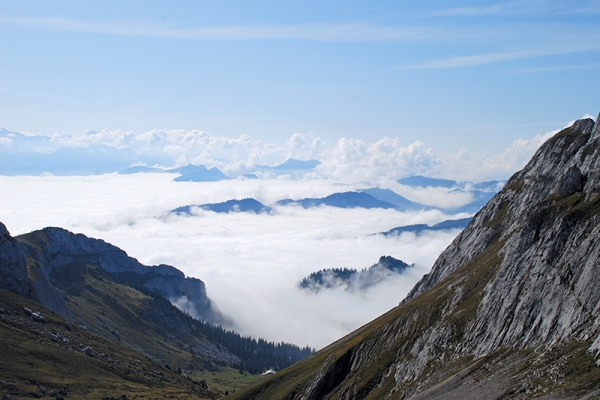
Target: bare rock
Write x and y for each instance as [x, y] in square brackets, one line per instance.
[13, 264]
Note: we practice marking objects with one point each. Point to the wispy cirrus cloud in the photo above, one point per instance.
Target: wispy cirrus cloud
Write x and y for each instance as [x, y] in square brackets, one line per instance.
[561, 68]
[524, 8]
[348, 32]
[490, 58]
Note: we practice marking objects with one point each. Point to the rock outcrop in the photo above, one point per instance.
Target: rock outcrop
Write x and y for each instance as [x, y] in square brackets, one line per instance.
[52, 248]
[13, 264]
[511, 309]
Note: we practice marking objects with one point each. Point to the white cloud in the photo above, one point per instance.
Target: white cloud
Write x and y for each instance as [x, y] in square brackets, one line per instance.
[490, 58]
[328, 32]
[504, 164]
[346, 160]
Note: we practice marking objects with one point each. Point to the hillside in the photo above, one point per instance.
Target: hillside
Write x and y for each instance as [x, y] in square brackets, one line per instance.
[510, 310]
[50, 357]
[94, 284]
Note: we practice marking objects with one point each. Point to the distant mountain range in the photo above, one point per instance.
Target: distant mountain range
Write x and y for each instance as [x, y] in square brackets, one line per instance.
[352, 279]
[188, 173]
[384, 198]
[199, 173]
[341, 200]
[293, 165]
[244, 205]
[37, 154]
[364, 198]
[419, 229]
[423, 181]
[391, 197]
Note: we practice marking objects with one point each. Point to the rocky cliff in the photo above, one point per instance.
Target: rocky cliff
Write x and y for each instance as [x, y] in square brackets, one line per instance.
[52, 248]
[511, 309]
[13, 264]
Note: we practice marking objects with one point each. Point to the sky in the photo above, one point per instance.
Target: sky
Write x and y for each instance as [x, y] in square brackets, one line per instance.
[468, 76]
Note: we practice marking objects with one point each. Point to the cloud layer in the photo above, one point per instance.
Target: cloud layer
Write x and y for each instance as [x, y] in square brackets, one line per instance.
[345, 160]
[251, 264]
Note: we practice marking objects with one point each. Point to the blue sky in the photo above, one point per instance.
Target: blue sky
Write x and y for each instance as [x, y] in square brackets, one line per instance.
[453, 74]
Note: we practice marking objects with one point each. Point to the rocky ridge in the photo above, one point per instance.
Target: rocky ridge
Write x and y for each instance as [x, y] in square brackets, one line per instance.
[13, 264]
[53, 248]
[509, 310]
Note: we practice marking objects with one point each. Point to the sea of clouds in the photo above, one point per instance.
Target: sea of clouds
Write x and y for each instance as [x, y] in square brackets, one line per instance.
[251, 263]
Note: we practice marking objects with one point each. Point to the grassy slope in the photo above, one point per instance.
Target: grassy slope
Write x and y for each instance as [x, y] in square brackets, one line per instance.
[40, 359]
[104, 305]
[226, 379]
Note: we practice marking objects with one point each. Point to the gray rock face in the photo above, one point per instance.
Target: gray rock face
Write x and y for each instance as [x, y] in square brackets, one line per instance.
[546, 225]
[13, 264]
[60, 247]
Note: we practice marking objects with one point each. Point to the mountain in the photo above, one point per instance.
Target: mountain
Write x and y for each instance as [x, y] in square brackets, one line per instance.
[422, 181]
[352, 279]
[199, 173]
[94, 284]
[508, 311]
[481, 192]
[296, 165]
[140, 169]
[419, 229]
[340, 200]
[389, 196]
[244, 205]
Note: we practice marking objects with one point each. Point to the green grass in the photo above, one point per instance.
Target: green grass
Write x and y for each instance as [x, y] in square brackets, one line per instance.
[105, 306]
[226, 379]
[40, 359]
